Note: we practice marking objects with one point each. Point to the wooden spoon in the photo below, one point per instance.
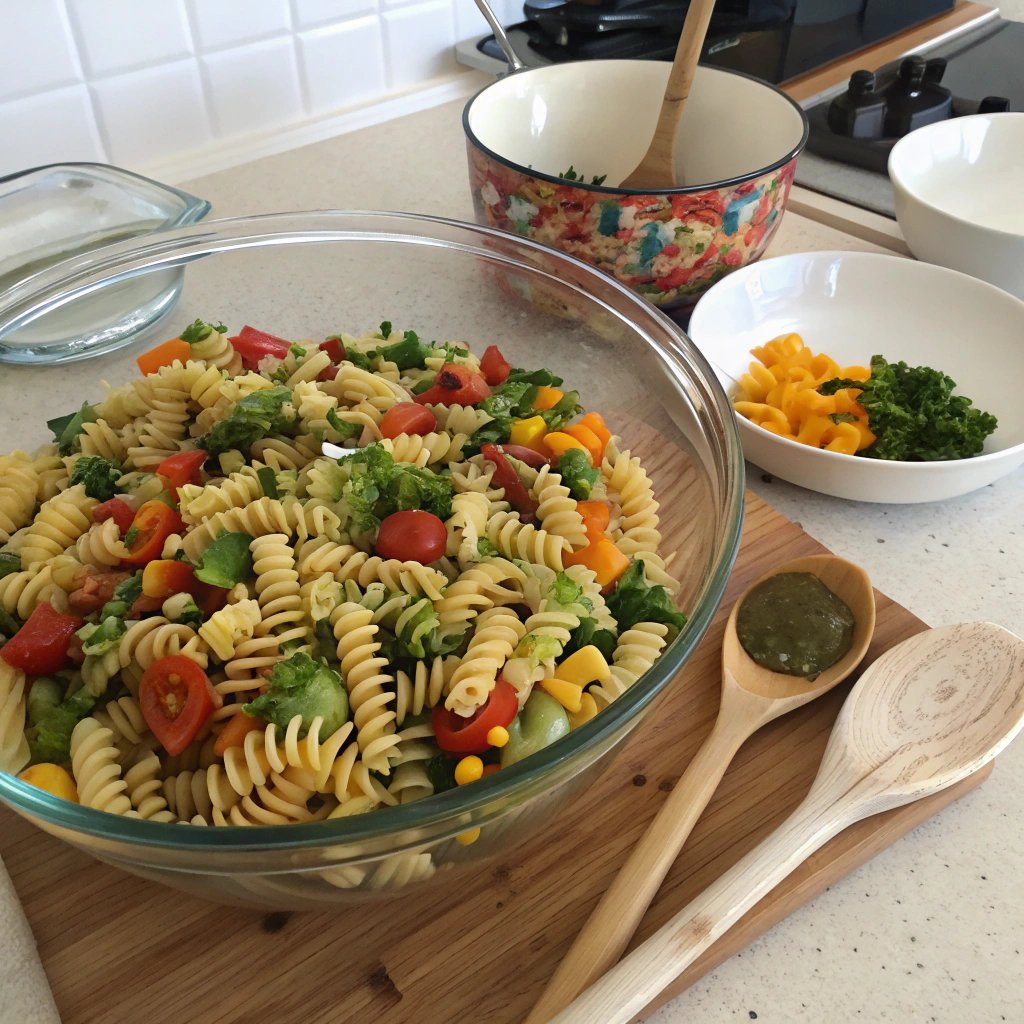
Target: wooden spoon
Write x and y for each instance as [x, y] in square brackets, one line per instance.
[657, 170]
[925, 715]
[752, 696]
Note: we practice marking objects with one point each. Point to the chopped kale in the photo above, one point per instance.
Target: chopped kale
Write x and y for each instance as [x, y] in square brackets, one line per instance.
[253, 417]
[914, 414]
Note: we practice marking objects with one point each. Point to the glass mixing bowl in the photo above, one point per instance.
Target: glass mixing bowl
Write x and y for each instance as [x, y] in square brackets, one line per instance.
[314, 274]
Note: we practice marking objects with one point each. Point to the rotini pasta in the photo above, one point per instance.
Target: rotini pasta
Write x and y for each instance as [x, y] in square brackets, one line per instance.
[333, 657]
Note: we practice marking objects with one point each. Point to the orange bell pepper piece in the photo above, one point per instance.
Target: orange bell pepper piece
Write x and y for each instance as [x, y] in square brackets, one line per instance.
[558, 443]
[547, 398]
[598, 512]
[594, 422]
[589, 440]
[603, 557]
[163, 355]
[233, 734]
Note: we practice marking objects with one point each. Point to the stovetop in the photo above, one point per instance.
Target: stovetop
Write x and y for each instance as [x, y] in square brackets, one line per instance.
[986, 62]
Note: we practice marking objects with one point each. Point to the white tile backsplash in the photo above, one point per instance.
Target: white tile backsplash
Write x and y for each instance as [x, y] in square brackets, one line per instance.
[221, 23]
[309, 13]
[343, 63]
[117, 35]
[48, 128]
[36, 28]
[418, 42]
[153, 114]
[252, 88]
[146, 82]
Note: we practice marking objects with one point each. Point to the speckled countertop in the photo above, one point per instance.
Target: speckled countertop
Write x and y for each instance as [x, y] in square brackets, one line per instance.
[932, 930]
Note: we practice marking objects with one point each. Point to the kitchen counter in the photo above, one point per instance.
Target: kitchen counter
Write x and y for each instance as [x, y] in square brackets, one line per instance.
[931, 930]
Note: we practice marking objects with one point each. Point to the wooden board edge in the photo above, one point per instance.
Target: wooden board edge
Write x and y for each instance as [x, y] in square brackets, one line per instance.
[852, 220]
[838, 858]
[966, 14]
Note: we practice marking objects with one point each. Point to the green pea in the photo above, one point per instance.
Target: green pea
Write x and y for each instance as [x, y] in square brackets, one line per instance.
[542, 721]
[46, 693]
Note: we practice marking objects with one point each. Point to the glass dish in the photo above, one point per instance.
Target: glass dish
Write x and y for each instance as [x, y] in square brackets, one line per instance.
[51, 213]
[309, 275]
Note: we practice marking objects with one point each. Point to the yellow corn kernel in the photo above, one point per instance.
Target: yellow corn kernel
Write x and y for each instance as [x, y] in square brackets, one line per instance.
[569, 695]
[468, 837]
[498, 736]
[588, 708]
[53, 779]
[469, 769]
[583, 667]
[529, 433]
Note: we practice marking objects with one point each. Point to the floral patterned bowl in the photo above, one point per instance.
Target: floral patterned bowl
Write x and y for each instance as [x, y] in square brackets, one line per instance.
[530, 135]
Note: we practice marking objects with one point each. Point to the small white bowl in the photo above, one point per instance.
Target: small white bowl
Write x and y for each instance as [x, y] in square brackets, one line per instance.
[958, 187]
[853, 305]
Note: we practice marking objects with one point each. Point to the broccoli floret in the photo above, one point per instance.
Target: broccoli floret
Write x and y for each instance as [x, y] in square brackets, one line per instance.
[253, 417]
[52, 741]
[577, 473]
[538, 649]
[99, 475]
[301, 686]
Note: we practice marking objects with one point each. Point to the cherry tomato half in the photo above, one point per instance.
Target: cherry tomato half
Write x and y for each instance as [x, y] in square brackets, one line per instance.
[458, 735]
[494, 366]
[176, 699]
[455, 385]
[155, 522]
[182, 468]
[253, 345]
[41, 645]
[407, 418]
[505, 476]
[412, 536]
[117, 509]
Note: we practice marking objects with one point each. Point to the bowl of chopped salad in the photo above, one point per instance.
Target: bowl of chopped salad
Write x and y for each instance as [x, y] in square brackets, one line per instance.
[338, 589]
[547, 148]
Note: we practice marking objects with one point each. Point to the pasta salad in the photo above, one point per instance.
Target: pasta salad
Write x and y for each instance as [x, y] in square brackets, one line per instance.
[208, 620]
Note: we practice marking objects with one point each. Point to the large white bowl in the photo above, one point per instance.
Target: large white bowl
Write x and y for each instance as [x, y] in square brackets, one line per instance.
[958, 187]
[854, 305]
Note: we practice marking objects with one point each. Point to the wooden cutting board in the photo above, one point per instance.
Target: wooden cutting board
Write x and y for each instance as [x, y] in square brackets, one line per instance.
[120, 950]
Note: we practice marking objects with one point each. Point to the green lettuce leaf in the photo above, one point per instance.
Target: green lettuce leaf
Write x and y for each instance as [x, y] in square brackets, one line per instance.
[577, 473]
[635, 600]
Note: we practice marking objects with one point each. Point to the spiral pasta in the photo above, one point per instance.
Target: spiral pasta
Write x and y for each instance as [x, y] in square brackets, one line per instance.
[19, 484]
[515, 539]
[363, 671]
[57, 525]
[290, 604]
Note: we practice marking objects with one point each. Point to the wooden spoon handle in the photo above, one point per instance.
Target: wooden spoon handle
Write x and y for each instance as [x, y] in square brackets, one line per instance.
[629, 986]
[611, 925]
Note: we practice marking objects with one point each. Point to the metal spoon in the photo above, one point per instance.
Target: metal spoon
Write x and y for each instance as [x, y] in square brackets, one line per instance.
[752, 697]
[514, 63]
[925, 715]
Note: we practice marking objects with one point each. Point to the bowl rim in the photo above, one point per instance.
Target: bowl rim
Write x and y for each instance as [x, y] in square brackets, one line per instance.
[881, 465]
[901, 185]
[82, 274]
[611, 190]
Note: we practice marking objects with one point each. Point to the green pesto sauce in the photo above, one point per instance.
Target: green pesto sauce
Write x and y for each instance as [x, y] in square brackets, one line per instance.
[793, 623]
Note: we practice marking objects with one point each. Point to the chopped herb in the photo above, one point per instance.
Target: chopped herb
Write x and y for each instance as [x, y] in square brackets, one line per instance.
[343, 427]
[385, 329]
[577, 473]
[268, 481]
[131, 536]
[571, 175]
[198, 331]
[486, 549]
[408, 354]
[914, 414]
[253, 417]
[842, 417]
